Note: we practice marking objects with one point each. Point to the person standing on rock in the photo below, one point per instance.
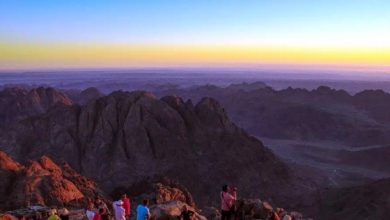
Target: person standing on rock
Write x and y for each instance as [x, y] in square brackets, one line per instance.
[119, 210]
[228, 198]
[126, 205]
[143, 211]
[89, 212]
[99, 215]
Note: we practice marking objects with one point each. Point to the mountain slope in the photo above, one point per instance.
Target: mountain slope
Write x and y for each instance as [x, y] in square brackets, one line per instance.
[123, 138]
[370, 202]
[19, 103]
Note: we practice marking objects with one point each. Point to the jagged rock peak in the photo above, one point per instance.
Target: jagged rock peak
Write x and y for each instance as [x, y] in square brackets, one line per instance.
[7, 163]
[42, 182]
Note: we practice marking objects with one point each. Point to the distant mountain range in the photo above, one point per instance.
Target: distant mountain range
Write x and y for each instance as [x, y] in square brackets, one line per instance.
[322, 114]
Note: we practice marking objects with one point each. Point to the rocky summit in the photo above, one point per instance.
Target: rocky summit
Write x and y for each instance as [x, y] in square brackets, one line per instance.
[43, 182]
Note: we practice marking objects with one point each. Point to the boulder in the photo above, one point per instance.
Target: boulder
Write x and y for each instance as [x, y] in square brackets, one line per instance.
[171, 211]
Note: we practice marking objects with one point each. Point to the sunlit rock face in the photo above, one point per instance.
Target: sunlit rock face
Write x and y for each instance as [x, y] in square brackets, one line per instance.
[43, 182]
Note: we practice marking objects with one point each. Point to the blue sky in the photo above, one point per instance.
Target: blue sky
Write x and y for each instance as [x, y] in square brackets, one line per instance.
[190, 21]
[85, 33]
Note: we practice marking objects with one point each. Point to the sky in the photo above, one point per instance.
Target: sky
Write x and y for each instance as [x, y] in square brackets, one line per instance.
[200, 33]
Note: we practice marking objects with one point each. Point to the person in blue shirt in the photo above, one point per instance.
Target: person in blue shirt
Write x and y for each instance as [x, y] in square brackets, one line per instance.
[143, 210]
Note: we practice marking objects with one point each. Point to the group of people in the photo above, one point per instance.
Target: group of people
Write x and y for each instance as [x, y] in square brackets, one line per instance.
[228, 205]
[62, 214]
[98, 210]
[122, 209]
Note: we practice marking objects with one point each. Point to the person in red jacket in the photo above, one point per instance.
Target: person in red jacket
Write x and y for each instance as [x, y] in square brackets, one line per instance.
[98, 216]
[275, 215]
[126, 205]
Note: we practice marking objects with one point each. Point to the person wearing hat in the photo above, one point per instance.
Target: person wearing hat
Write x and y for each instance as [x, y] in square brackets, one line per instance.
[120, 213]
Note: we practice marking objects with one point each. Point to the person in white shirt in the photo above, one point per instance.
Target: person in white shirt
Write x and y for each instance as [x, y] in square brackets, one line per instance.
[89, 212]
[119, 211]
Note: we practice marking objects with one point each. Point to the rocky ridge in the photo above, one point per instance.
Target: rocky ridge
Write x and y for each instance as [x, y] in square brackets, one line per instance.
[42, 182]
[139, 136]
[322, 114]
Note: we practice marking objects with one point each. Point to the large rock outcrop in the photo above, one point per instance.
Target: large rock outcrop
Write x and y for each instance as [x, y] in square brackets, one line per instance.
[42, 182]
[171, 210]
[157, 190]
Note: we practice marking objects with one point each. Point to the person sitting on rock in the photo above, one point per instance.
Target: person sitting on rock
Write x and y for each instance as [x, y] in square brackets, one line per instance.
[143, 211]
[53, 215]
[287, 217]
[126, 205]
[228, 198]
[64, 213]
[100, 204]
[186, 214]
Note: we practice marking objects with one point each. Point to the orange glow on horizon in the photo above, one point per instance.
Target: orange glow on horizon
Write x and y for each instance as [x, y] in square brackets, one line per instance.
[24, 55]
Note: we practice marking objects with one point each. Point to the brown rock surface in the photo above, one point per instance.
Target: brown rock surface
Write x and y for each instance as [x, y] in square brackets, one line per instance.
[157, 191]
[171, 210]
[42, 182]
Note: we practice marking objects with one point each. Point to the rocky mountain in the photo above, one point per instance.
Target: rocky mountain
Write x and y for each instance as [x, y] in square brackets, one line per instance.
[42, 182]
[138, 143]
[19, 103]
[125, 137]
[82, 97]
[322, 114]
[247, 86]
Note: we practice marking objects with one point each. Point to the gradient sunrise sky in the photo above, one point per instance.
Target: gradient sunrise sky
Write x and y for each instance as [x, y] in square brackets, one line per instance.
[111, 34]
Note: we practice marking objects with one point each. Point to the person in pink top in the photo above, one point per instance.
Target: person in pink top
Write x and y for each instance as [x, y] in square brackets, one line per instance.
[228, 198]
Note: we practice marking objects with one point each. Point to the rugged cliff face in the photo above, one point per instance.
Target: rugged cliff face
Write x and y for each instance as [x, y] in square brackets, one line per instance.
[18, 103]
[125, 137]
[42, 182]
